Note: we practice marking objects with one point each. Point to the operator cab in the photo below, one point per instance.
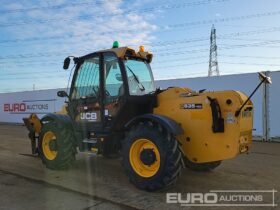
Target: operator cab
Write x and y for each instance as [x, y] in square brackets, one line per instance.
[110, 82]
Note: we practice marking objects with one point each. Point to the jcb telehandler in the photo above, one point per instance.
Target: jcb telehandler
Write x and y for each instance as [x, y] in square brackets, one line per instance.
[113, 106]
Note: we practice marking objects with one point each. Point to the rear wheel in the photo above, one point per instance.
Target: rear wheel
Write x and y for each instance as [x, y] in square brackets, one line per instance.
[56, 146]
[202, 166]
[151, 157]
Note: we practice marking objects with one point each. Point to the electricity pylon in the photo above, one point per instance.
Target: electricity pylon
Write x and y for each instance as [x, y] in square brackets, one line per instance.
[213, 60]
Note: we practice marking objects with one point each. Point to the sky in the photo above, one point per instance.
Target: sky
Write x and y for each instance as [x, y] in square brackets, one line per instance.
[36, 36]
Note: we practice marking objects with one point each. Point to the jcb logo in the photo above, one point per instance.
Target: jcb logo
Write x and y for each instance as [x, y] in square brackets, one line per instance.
[89, 116]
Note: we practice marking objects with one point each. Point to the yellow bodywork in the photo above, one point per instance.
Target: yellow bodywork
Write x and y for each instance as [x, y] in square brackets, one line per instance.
[199, 143]
[33, 123]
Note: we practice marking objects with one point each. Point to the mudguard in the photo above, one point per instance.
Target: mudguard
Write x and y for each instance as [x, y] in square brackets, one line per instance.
[59, 118]
[169, 124]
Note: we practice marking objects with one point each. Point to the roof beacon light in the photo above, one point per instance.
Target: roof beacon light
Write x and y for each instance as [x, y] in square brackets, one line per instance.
[116, 44]
[141, 48]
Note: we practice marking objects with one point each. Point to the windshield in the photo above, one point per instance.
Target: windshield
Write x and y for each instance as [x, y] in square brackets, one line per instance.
[139, 77]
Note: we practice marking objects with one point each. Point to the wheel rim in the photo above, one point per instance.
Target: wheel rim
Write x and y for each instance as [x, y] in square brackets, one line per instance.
[143, 168]
[48, 139]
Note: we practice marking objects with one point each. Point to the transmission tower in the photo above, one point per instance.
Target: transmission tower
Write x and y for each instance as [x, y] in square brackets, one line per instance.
[213, 60]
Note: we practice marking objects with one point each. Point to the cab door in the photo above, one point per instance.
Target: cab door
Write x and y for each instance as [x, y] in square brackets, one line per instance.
[86, 96]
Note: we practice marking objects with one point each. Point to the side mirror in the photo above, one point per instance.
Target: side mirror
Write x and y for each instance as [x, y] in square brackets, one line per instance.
[66, 63]
[62, 94]
[118, 77]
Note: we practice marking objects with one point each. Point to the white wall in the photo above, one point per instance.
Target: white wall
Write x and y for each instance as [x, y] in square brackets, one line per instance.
[274, 103]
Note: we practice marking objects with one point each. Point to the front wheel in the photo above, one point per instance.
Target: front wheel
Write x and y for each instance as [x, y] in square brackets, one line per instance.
[56, 146]
[151, 157]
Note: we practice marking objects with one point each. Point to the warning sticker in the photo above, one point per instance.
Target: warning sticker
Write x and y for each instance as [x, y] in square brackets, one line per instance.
[230, 119]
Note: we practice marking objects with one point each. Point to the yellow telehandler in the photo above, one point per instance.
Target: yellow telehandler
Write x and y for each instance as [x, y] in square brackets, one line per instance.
[113, 107]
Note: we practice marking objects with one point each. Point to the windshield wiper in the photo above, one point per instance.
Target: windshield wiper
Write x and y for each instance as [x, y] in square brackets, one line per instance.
[141, 86]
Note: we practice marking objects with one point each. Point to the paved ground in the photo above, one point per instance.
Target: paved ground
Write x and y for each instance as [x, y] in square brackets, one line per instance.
[98, 183]
[22, 193]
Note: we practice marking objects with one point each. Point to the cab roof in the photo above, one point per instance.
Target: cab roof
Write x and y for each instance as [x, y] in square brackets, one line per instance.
[121, 52]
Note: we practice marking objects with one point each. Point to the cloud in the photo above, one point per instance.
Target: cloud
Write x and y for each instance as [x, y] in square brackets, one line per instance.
[78, 28]
[93, 24]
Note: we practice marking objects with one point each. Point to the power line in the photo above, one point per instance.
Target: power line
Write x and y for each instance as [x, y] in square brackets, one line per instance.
[180, 65]
[233, 63]
[153, 64]
[181, 76]
[251, 44]
[72, 4]
[203, 22]
[246, 26]
[85, 17]
[176, 60]
[165, 52]
[159, 44]
[248, 56]
[271, 29]
[225, 46]
[251, 64]
[260, 46]
[59, 63]
[249, 39]
[58, 6]
[246, 33]
[227, 19]
[177, 48]
[28, 78]
[156, 68]
[32, 72]
[222, 48]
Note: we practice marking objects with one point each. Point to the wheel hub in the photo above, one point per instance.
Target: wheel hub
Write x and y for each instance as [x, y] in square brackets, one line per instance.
[53, 146]
[144, 157]
[148, 156]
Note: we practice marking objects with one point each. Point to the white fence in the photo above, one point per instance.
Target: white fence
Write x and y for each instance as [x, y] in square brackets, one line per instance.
[15, 106]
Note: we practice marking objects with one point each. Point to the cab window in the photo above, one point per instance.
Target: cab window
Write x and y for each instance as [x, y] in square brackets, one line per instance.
[87, 79]
[139, 77]
[113, 77]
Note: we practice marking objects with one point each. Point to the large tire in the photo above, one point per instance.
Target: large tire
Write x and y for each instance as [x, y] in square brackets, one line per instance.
[165, 147]
[204, 167]
[62, 155]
